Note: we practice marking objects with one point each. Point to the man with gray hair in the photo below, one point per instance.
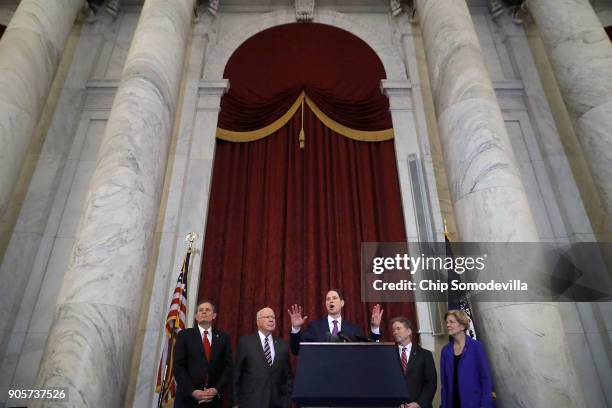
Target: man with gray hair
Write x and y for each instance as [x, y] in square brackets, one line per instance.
[262, 371]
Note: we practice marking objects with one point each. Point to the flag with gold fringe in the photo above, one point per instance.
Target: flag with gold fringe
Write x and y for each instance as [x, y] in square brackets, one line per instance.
[175, 322]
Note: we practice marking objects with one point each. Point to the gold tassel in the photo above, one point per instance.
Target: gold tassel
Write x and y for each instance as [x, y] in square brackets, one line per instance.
[302, 138]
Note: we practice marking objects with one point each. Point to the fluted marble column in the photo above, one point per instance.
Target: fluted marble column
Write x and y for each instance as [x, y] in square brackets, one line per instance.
[529, 356]
[30, 51]
[92, 336]
[580, 53]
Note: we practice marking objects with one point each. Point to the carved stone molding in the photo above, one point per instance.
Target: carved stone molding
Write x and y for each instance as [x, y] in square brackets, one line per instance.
[304, 10]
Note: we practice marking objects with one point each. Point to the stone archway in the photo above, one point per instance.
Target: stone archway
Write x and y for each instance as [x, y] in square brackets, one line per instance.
[217, 59]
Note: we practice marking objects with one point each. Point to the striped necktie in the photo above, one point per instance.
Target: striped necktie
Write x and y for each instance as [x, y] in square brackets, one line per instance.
[404, 360]
[267, 351]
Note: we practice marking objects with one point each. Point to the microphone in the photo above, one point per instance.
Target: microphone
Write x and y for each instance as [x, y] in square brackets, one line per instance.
[363, 338]
[331, 339]
[343, 337]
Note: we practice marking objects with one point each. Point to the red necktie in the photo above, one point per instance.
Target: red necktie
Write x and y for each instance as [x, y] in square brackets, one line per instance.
[206, 345]
[404, 360]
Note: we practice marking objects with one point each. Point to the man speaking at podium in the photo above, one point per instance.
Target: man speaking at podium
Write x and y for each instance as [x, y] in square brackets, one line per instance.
[332, 326]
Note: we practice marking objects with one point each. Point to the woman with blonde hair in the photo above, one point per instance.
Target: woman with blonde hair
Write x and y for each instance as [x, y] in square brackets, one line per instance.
[465, 373]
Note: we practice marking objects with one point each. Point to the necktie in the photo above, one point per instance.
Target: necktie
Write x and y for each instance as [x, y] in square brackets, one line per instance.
[267, 351]
[404, 360]
[206, 344]
[335, 328]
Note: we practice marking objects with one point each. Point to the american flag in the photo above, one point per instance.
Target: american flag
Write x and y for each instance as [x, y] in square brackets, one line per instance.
[175, 322]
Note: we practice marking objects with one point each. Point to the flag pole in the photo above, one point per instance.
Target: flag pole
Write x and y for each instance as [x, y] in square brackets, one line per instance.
[190, 238]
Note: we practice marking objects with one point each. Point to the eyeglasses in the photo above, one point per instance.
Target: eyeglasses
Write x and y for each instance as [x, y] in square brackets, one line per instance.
[267, 317]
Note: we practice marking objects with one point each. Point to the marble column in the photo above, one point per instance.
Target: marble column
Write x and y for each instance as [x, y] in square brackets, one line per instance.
[30, 51]
[524, 342]
[580, 53]
[91, 341]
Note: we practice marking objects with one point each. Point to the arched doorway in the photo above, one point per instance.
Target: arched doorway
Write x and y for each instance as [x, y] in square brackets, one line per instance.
[285, 223]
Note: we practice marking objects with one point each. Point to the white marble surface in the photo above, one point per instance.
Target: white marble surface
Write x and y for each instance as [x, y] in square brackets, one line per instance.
[252, 23]
[580, 53]
[43, 206]
[525, 339]
[179, 194]
[479, 157]
[557, 169]
[30, 52]
[88, 352]
[103, 285]
[490, 202]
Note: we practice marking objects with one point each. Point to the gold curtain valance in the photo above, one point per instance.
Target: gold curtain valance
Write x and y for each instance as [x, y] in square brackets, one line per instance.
[252, 135]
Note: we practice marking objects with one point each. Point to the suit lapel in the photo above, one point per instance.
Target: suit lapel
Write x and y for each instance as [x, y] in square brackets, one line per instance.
[325, 328]
[274, 362]
[214, 347]
[412, 358]
[197, 340]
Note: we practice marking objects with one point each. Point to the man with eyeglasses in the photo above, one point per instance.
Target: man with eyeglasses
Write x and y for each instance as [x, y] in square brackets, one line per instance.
[262, 369]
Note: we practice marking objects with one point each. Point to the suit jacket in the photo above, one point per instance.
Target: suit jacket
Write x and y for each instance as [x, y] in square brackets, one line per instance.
[192, 371]
[318, 331]
[421, 377]
[256, 384]
[475, 385]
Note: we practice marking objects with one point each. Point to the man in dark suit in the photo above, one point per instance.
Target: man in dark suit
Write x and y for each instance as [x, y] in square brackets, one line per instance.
[417, 365]
[331, 327]
[262, 370]
[202, 361]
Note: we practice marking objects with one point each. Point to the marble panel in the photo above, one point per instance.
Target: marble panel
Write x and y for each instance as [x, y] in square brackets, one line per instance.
[584, 364]
[10, 359]
[531, 324]
[16, 258]
[46, 301]
[65, 119]
[29, 359]
[149, 363]
[127, 25]
[204, 130]
[74, 204]
[488, 46]
[93, 140]
[164, 282]
[195, 195]
[173, 197]
[41, 192]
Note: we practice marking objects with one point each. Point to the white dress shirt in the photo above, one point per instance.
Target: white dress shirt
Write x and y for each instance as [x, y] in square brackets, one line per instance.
[270, 342]
[408, 349]
[330, 321]
[209, 334]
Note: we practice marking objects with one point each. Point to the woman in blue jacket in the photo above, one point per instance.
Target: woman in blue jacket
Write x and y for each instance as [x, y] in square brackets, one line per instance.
[465, 374]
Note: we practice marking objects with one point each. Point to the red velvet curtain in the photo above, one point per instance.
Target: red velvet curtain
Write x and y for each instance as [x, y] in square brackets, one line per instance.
[285, 224]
